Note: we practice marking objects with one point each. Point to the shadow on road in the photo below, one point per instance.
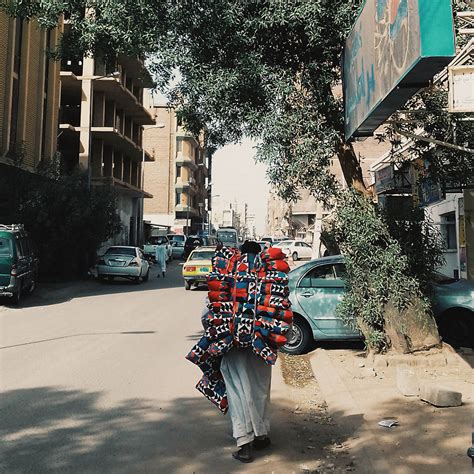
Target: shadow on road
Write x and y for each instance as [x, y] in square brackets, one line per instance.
[47, 429]
[56, 293]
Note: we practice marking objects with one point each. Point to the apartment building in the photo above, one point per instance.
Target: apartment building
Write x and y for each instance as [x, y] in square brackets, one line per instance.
[29, 92]
[304, 218]
[179, 177]
[101, 130]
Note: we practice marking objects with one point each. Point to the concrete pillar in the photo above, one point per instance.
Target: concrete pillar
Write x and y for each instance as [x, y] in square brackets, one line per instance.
[469, 231]
[87, 99]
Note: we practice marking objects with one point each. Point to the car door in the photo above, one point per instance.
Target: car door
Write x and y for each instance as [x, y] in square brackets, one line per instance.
[306, 250]
[23, 263]
[318, 293]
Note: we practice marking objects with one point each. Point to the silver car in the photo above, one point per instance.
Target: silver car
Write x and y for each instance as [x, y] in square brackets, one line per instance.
[124, 262]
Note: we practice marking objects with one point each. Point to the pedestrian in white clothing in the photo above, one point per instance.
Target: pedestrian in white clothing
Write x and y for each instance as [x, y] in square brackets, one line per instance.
[160, 257]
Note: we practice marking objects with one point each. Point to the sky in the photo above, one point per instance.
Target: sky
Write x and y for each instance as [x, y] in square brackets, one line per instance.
[237, 177]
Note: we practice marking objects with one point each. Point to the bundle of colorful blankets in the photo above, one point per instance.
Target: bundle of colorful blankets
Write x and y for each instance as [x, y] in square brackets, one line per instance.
[248, 308]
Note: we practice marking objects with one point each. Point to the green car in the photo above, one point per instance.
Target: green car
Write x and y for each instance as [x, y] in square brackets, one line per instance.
[18, 263]
[317, 287]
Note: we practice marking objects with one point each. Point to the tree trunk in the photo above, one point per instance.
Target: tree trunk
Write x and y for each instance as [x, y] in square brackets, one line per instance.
[351, 169]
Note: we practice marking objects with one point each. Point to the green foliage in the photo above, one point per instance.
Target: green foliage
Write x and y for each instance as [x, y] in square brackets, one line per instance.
[66, 220]
[420, 241]
[379, 272]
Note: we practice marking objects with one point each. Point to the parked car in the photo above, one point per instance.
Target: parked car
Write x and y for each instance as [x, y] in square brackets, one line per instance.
[177, 245]
[317, 287]
[149, 249]
[295, 249]
[195, 241]
[264, 244]
[18, 262]
[198, 266]
[124, 262]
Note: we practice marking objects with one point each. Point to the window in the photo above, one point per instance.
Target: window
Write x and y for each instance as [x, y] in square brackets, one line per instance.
[304, 244]
[178, 197]
[179, 145]
[321, 272]
[178, 171]
[341, 271]
[448, 230]
[5, 247]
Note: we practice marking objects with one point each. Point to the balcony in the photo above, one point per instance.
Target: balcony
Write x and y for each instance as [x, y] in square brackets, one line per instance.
[114, 91]
[111, 136]
[122, 186]
[184, 160]
[185, 210]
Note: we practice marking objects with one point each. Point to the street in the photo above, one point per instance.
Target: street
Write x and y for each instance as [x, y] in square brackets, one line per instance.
[94, 379]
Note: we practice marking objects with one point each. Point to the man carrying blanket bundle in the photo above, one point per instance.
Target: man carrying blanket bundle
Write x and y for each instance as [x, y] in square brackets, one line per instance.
[246, 320]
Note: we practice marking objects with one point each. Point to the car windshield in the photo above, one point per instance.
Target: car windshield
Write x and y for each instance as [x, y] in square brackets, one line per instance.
[5, 247]
[177, 238]
[202, 255]
[155, 240]
[121, 251]
[283, 243]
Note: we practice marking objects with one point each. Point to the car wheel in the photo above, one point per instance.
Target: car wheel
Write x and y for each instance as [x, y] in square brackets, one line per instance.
[299, 338]
[17, 295]
[147, 276]
[456, 327]
[187, 285]
[295, 256]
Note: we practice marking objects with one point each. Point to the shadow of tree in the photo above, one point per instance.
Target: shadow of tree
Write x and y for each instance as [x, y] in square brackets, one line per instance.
[55, 293]
[49, 429]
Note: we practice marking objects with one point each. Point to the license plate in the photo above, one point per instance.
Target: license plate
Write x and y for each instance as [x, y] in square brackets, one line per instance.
[117, 263]
[204, 270]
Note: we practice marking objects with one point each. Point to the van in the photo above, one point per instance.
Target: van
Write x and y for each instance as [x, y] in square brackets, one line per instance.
[18, 262]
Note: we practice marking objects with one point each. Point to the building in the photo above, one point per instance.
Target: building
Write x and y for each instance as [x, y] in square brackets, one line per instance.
[449, 207]
[304, 219]
[101, 131]
[29, 93]
[179, 176]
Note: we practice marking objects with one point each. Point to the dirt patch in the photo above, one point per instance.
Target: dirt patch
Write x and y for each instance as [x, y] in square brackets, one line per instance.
[296, 370]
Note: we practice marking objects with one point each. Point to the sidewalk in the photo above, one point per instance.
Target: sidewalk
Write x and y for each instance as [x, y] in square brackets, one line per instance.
[361, 392]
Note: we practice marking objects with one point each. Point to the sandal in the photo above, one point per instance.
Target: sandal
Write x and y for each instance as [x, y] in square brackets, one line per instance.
[261, 443]
[244, 454]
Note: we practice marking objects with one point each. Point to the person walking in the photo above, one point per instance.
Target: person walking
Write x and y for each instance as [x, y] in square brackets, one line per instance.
[248, 381]
[160, 257]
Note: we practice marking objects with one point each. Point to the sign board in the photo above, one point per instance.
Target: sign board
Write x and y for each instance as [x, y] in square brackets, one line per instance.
[461, 89]
[394, 49]
[384, 180]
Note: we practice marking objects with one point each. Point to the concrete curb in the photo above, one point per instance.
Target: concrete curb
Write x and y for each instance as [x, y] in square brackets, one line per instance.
[344, 410]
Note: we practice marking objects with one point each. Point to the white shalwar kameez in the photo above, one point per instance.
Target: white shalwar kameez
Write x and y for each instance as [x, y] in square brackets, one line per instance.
[160, 256]
[248, 379]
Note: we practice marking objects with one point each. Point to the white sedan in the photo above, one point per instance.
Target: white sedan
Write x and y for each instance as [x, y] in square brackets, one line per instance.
[295, 249]
[125, 262]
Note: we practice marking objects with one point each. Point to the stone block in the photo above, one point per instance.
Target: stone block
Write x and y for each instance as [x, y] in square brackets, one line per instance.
[440, 397]
[407, 381]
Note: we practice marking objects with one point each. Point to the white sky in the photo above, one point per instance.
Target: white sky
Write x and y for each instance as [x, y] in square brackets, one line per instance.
[237, 177]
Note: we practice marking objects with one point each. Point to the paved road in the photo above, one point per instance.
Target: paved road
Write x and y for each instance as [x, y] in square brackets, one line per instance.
[94, 379]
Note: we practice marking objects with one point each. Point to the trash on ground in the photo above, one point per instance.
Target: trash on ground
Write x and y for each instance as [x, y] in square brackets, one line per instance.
[388, 423]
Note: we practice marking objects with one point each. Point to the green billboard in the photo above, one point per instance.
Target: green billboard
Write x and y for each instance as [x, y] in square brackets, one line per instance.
[394, 49]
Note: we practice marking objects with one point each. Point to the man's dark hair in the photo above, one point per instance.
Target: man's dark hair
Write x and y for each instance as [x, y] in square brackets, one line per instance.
[250, 246]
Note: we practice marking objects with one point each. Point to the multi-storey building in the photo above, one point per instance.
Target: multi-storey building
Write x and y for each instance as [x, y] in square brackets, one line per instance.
[179, 176]
[29, 93]
[101, 130]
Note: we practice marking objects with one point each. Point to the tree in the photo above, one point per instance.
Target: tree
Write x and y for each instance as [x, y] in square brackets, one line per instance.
[264, 69]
